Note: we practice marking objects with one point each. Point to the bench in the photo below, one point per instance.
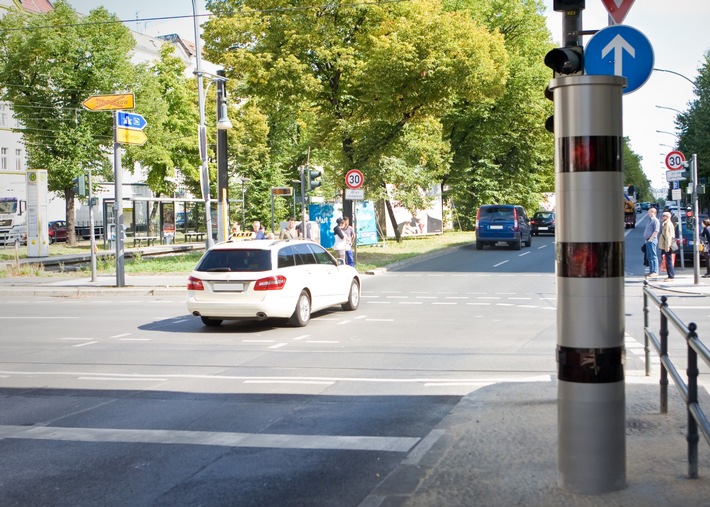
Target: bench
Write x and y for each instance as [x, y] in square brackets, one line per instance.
[144, 240]
[194, 236]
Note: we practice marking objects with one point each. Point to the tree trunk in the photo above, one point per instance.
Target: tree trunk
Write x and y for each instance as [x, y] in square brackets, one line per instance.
[390, 212]
[71, 222]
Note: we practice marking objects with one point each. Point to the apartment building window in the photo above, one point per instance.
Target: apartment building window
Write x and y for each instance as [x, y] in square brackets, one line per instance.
[3, 114]
[18, 160]
[3, 159]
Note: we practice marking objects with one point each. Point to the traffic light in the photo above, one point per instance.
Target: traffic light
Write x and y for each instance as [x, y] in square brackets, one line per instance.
[312, 179]
[79, 185]
[567, 5]
[566, 61]
[689, 219]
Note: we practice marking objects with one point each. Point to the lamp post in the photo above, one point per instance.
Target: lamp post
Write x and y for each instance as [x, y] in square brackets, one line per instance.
[202, 131]
[666, 132]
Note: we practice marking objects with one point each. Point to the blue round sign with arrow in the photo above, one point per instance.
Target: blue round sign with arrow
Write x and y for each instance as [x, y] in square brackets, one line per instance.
[620, 50]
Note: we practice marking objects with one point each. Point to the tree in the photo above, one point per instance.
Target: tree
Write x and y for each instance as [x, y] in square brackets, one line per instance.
[363, 85]
[501, 151]
[633, 173]
[694, 126]
[51, 63]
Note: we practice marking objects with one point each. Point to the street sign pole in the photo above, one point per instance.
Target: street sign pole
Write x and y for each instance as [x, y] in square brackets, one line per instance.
[118, 226]
[696, 232]
[590, 283]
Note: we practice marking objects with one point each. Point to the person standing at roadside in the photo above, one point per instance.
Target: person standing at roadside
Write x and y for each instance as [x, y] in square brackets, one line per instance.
[258, 230]
[665, 245]
[650, 237]
[290, 232]
[705, 238]
[349, 232]
[341, 242]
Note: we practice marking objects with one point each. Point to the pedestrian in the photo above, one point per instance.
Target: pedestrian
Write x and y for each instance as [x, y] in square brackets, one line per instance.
[666, 242]
[349, 232]
[290, 231]
[341, 242]
[705, 238]
[236, 229]
[650, 237]
[258, 230]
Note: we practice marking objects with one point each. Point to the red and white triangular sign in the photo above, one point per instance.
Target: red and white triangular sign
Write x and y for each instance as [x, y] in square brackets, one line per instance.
[618, 9]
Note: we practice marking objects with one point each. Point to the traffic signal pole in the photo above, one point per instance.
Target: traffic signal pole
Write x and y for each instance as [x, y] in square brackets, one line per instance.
[590, 282]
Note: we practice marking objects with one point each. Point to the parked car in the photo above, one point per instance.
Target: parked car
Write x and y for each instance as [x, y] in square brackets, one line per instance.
[543, 222]
[57, 231]
[265, 279]
[502, 223]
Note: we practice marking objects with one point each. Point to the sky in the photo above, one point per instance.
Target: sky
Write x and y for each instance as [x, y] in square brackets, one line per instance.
[677, 31]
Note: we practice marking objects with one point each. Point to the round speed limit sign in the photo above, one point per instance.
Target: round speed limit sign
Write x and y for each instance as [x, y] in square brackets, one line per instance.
[675, 160]
[354, 179]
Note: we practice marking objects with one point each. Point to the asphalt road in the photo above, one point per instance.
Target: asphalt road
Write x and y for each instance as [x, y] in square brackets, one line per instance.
[117, 400]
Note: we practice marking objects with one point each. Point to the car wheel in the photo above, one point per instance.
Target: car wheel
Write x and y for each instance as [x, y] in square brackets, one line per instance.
[479, 245]
[517, 244]
[209, 322]
[353, 297]
[302, 313]
[528, 243]
[51, 240]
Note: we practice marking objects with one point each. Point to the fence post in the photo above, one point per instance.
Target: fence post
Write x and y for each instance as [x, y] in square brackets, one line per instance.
[692, 437]
[664, 352]
[646, 311]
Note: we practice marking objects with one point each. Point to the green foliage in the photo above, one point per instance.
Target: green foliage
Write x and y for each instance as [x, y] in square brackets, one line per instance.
[49, 65]
[694, 126]
[634, 175]
[363, 85]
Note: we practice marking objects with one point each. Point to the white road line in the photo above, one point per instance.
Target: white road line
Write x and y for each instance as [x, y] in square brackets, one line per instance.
[134, 339]
[456, 297]
[278, 346]
[426, 297]
[524, 254]
[397, 297]
[415, 457]
[124, 379]
[214, 438]
[120, 335]
[303, 336]
[342, 322]
[84, 344]
[265, 341]
[411, 303]
[291, 382]
[39, 317]
[499, 264]
[360, 317]
[322, 341]
[379, 302]
[443, 303]
[75, 339]
[479, 304]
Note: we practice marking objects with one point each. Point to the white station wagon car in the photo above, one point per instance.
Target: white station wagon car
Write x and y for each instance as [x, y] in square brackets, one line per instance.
[263, 279]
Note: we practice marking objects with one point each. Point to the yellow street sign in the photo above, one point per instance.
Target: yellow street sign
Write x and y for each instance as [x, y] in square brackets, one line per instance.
[130, 136]
[110, 102]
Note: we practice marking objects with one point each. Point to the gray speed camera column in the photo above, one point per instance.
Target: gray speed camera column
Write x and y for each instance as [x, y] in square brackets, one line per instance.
[590, 282]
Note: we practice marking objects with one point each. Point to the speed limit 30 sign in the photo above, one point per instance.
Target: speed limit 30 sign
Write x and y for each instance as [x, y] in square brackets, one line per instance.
[675, 160]
[354, 179]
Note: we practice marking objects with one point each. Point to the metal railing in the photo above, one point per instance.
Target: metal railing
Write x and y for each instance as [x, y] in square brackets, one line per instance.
[689, 391]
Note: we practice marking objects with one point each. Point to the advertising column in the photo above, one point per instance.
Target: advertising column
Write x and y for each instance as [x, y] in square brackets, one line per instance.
[37, 199]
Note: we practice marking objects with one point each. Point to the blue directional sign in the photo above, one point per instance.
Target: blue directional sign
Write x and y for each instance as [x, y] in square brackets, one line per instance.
[131, 120]
[620, 50]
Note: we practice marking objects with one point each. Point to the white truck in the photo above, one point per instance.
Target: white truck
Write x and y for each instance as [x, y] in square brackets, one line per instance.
[13, 208]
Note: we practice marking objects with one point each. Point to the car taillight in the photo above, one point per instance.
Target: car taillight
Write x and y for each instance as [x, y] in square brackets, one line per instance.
[515, 219]
[194, 284]
[478, 217]
[270, 283]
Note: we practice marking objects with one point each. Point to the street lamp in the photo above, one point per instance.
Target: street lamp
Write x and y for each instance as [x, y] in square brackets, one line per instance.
[671, 108]
[202, 131]
[666, 132]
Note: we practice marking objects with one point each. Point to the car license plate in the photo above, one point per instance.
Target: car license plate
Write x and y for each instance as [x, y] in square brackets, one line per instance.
[496, 226]
[228, 287]
[542, 228]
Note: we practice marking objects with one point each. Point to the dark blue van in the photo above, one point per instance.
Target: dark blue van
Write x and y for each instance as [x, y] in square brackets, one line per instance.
[502, 223]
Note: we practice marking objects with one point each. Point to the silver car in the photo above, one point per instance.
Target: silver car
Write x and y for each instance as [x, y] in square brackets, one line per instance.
[263, 279]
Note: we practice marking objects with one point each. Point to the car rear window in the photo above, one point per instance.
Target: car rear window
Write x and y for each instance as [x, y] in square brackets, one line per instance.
[543, 215]
[496, 213]
[236, 260]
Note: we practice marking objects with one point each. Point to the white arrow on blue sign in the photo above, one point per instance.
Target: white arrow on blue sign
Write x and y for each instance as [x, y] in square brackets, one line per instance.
[130, 120]
[620, 50]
